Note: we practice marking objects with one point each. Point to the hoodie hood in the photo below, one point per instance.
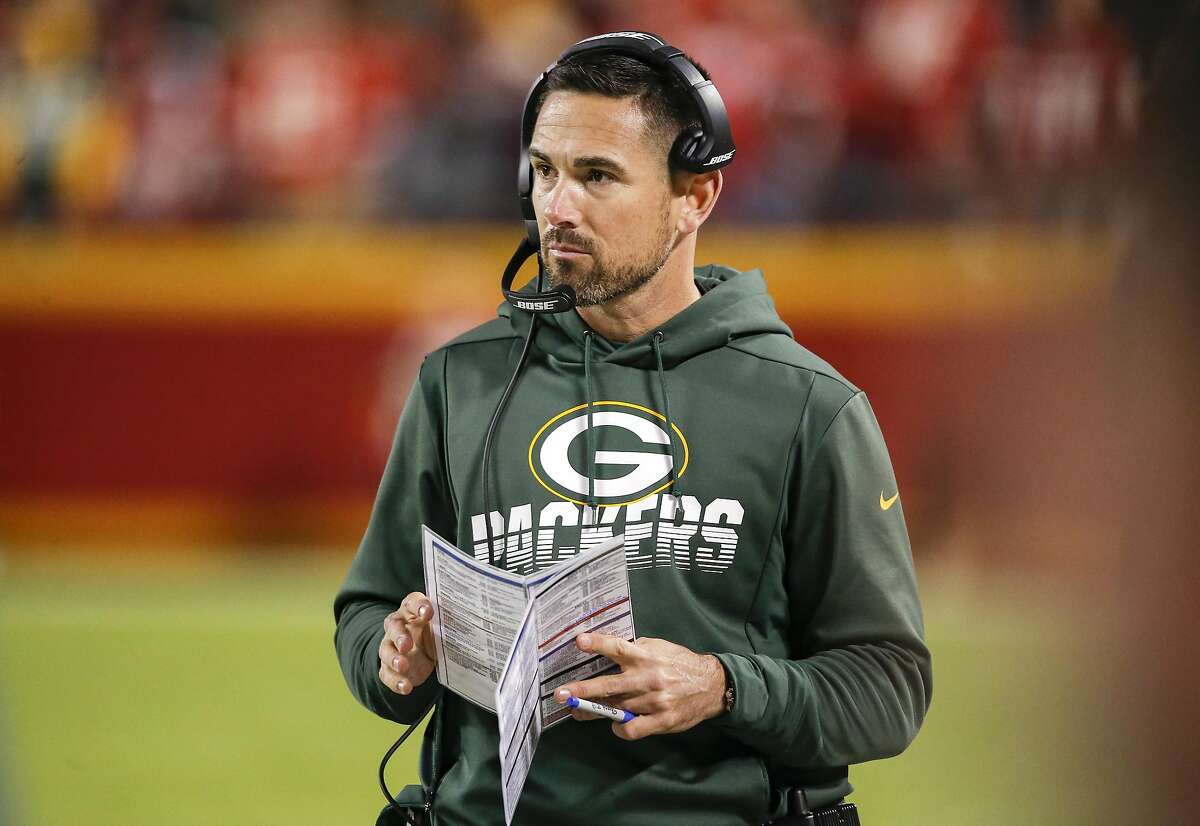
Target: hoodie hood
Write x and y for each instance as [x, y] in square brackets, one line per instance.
[733, 304]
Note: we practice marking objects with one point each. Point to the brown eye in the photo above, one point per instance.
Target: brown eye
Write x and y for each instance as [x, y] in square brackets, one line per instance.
[598, 175]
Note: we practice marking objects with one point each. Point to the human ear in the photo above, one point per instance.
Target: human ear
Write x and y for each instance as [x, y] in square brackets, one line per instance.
[700, 193]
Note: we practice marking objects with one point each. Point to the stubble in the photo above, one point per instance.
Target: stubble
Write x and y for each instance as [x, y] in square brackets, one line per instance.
[602, 279]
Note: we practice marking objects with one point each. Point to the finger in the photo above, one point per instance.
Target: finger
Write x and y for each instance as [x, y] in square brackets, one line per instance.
[397, 629]
[597, 688]
[640, 726]
[615, 648]
[399, 642]
[394, 627]
[639, 703]
[416, 608]
[402, 673]
[406, 655]
[387, 650]
[397, 682]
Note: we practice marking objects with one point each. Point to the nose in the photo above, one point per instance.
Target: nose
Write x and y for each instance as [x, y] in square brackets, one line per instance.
[562, 209]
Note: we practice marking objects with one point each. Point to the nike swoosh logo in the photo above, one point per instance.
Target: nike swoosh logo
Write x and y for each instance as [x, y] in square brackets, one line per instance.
[884, 504]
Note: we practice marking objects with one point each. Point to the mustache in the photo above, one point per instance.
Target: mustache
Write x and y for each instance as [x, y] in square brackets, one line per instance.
[556, 235]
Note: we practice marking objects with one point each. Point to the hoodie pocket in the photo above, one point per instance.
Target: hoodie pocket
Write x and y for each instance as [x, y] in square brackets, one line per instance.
[744, 788]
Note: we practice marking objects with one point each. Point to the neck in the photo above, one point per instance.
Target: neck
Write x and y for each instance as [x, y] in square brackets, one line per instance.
[672, 289]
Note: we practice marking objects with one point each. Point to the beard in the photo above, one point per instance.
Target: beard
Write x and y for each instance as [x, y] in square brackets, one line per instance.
[598, 279]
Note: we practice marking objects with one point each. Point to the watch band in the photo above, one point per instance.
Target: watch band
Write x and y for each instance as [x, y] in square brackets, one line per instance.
[730, 691]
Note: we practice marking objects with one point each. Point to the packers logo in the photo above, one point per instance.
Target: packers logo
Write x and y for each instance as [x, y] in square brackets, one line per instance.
[632, 453]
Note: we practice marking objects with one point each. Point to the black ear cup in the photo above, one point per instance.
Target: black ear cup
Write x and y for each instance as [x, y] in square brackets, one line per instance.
[690, 149]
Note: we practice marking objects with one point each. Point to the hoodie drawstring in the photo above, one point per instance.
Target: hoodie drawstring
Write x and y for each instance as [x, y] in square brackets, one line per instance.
[656, 344]
[587, 391]
[491, 431]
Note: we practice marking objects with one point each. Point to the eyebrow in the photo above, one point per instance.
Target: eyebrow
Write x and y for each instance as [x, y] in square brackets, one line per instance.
[588, 161]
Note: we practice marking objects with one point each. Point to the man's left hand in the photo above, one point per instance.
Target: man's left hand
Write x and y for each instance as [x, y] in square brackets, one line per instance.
[669, 687]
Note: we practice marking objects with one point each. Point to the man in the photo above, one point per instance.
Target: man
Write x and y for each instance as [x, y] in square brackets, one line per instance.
[780, 635]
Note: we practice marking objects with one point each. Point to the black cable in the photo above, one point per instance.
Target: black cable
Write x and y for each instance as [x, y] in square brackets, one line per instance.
[388, 756]
[487, 441]
[487, 520]
[487, 505]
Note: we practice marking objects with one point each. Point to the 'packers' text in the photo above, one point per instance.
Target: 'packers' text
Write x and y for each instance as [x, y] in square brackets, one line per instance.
[660, 531]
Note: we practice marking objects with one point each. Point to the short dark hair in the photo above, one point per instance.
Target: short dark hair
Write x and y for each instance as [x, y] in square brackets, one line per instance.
[662, 98]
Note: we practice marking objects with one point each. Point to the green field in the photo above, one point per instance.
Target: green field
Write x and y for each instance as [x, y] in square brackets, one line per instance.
[207, 692]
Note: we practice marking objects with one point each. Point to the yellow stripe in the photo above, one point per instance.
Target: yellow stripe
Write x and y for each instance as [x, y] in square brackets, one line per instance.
[125, 521]
[339, 275]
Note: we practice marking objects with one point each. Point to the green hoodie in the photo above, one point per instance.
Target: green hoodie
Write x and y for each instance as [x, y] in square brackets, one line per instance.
[758, 504]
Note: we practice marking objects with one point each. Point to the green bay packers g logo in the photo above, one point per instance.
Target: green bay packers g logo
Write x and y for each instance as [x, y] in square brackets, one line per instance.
[633, 453]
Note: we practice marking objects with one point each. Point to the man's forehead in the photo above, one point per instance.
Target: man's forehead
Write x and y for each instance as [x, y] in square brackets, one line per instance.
[586, 123]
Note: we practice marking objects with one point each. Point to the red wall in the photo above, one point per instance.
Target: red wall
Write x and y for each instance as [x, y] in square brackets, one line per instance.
[267, 426]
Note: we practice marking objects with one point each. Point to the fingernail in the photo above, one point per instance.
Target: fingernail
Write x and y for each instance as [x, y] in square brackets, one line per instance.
[585, 640]
[395, 663]
[422, 611]
[400, 685]
[562, 694]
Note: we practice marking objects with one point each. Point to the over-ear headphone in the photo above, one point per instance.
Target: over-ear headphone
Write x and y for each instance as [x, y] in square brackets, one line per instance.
[698, 149]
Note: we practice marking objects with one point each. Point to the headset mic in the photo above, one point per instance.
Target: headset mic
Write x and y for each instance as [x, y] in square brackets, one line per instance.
[557, 299]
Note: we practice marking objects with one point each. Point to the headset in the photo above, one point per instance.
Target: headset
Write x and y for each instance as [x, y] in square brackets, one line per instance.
[702, 148]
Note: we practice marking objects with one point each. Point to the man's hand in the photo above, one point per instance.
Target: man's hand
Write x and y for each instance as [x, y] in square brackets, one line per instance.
[670, 687]
[407, 656]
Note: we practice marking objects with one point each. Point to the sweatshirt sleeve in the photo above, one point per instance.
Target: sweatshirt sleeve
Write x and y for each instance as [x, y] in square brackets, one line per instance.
[388, 565]
[860, 681]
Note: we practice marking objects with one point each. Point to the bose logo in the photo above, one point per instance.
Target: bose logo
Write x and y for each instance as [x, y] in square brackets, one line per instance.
[648, 469]
[720, 158]
[536, 305]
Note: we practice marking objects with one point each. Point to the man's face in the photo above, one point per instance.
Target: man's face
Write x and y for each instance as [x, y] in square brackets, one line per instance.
[602, 194]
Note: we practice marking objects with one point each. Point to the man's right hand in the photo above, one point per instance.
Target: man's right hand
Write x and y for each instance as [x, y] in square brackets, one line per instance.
[407, 656]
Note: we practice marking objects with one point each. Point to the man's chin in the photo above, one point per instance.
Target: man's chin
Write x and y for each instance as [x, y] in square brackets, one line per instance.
[586, 294]
[572, 275]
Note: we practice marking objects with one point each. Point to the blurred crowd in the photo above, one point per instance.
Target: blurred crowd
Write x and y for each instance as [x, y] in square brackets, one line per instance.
[151, 111]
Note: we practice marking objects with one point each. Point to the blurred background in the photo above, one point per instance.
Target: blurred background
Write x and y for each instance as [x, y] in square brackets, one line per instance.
[215, 218]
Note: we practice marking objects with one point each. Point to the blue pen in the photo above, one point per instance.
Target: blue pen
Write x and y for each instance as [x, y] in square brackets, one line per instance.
[618, 714]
